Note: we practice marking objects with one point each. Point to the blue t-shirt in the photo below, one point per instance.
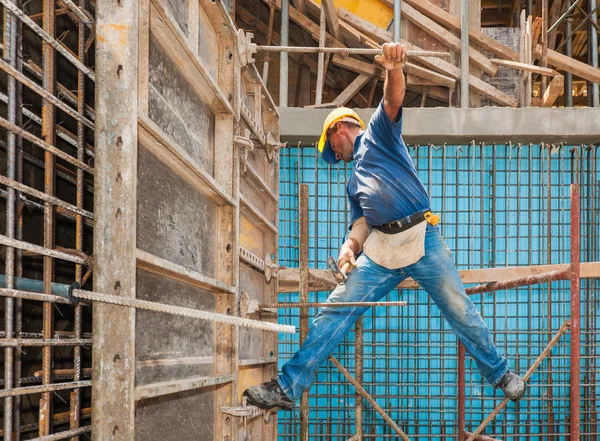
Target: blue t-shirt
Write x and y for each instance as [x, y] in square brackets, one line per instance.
[384, 184]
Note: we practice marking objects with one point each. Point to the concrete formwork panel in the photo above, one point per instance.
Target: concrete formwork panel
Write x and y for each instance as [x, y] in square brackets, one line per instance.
[202, 222]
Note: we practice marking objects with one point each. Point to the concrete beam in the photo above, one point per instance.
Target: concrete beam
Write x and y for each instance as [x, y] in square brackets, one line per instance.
[460, 126]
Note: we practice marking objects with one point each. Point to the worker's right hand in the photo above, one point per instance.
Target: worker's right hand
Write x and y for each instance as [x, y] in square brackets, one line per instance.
[346, 255]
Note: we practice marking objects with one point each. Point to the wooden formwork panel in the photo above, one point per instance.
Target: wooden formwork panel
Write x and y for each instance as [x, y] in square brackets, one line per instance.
[195, 203]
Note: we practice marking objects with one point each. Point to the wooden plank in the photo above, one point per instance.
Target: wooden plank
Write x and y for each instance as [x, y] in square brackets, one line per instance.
[554, 89]
[562, 62]
[435, 92]
[321, 279]
[475, 83]
[352, 89]
[452, 22]
[370, 69]
[332, 18]
[447, 38]
[525, 67]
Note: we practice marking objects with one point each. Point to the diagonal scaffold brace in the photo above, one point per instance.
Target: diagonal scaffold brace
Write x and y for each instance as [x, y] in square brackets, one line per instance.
[545, 353]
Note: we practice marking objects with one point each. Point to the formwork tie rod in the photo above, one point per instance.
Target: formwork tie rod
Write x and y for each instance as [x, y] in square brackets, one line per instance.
[346, 51]
[74, 294]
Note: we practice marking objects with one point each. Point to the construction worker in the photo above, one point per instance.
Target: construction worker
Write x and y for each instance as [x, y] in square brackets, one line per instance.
[392, 225]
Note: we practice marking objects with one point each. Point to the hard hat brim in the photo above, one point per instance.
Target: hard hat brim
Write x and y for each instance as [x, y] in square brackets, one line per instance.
[328, 154]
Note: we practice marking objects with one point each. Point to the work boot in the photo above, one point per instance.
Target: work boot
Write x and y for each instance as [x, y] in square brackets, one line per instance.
[512, 385]
[268, 395]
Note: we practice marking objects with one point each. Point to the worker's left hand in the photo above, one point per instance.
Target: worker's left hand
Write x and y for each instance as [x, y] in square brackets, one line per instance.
[394, 56]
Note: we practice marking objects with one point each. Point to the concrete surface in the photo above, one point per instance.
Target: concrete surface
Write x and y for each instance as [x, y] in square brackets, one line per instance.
[459, 126]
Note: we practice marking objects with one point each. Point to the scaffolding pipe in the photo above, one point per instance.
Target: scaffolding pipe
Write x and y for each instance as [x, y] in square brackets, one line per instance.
[575, 344]
[464, 54]
[568, 92]
[283, 57]
[593, 33]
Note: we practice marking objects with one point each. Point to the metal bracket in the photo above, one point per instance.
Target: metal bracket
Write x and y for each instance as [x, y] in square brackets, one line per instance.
[247, 412]
[273, 146]
[245, 143]
[246, 48]
[250, 306]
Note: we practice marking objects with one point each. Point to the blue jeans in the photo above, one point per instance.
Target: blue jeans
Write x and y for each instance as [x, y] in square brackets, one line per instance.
[369, 282]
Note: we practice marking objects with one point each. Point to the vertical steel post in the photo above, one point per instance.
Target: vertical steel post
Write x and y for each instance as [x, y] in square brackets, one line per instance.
[303, 219]
[75, 401]
[283, 56]
[569, 53]
[358, 354]
[115, 204]
[464, 54]
[397, 18]
[10, 53]
[593, 37]
[461, 392]
[575, 356]
[49, 133]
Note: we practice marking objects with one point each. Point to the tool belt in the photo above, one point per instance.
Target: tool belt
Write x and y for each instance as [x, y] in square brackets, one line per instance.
[400, 225]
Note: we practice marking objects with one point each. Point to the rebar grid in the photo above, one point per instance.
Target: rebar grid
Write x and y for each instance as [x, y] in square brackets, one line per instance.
[494, 201]
[48, 100]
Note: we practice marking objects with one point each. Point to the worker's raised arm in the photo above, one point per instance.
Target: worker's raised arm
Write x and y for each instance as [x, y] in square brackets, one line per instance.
[394, 56]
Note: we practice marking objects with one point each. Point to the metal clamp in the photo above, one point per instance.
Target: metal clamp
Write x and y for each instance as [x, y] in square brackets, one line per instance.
[246, 48]
[273, 146]
[245, 143]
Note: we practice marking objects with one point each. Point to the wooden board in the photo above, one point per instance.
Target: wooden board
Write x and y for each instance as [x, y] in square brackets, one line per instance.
[554, 89]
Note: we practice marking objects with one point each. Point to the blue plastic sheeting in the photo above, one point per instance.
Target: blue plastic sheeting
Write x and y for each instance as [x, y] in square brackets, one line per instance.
[501, 205]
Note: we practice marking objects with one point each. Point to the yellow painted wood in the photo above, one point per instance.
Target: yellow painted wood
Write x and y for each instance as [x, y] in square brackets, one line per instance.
[374, 11]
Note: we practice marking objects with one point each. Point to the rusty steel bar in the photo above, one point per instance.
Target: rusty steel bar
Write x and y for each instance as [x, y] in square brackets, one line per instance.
[75, 396]
[544, 59]
[369, 398]
[521, 281]
[304, 282]
[563, 329]
[78, 11]
[49, 135]
[27, 295]
[358, 356]
[10, 52]
[13, 342]
[30, 390]
[461, 392]
[329, 304]
[575, 344]
[47, 35]
[65, 434]
[4, 240]
[43, 196]
[44, 93]
[482, 437]
[43, 144]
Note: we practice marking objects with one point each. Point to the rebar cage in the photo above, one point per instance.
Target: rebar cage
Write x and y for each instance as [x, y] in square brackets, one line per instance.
[502, 205]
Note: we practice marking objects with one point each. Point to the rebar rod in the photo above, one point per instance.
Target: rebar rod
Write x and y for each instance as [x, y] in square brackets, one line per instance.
[43, 93]
[44, 197]
[30, 390]
[6, 241]
[65, 434]
[563, 329]
[47, 38]
[369, 398]
[346, 51]
[521, 281]
[330, 304]
[44, 145]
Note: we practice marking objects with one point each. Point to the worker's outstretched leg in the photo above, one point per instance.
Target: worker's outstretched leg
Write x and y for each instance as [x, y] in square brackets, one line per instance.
[436, 273]
[368, 282]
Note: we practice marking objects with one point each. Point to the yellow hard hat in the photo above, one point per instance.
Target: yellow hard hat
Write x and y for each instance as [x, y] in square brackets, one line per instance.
[336, 115]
